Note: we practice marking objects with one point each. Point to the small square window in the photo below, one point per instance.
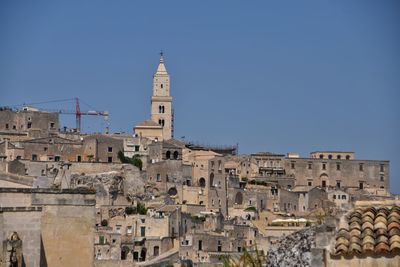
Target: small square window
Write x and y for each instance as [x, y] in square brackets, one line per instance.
[110, 149]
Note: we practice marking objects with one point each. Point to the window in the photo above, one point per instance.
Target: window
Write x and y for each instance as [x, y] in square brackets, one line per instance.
[323, 183]
[29, 125]
[101, 240]
[118, 229]
[382, 169]
[338, 157]
[323, 166]
[129, 230]
[110, 159]
[329, 156]
[34, 157]
[292, 165]
[347, 157]
[309, 183]
[14, 127]
[321, 156]
[161, 85]
[338, 167]
[361, 167]
[6, 125]
[361, 185]
[52, 124]
[344, 197]
[309, 166]
[200, 245]
[110, 149]
[45, 149]
[158, 177]
[137, 148]
[219, 249]
[382, 178]
[79, 158]
[334, 196]
[143, 231]
[338, 184]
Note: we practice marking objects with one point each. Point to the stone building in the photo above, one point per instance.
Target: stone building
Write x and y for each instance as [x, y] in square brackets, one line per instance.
[52, 148]
[27, 123]
[169, 176]
[165, 150]
[134, 237]
[102, 148]
[47, 222]
[10, 151]
[342, 172]
[161, 125]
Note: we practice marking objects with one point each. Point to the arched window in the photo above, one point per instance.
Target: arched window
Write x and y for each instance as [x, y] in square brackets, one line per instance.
[347, 156]
[343, 196]
[239, 198]
[202, 182]
[176, 154]
[172, 191]
[124, 252]
[321, 156]
[339, 157]
[329, 156]
[212, 179]
[168, 154]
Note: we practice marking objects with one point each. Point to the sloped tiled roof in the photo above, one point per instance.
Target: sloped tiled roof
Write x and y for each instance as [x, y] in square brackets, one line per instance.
[371, 230]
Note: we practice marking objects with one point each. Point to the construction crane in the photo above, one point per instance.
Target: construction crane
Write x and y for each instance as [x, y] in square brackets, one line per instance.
[78, 113]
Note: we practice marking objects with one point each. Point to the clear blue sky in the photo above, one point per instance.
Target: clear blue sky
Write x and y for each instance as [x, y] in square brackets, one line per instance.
[271, 75]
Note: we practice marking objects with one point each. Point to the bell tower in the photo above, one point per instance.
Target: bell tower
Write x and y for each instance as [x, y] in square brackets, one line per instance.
[161, 101]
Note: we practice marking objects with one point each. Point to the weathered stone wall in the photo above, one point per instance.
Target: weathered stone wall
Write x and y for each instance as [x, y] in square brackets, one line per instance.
[56, 226]
[27, 224]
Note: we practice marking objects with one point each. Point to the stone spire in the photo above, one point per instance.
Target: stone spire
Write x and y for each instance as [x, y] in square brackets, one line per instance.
[161, 67]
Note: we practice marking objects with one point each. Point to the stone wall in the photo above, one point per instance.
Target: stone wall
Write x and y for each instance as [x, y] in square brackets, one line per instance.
[56, 226]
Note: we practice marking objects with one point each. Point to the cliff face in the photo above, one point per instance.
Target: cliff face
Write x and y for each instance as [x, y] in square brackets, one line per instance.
[293, 250]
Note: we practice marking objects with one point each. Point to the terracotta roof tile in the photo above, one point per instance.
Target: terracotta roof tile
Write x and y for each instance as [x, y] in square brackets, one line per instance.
[372, 229]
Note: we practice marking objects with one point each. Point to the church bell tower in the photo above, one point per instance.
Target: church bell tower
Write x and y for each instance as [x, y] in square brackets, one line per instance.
[161, 101]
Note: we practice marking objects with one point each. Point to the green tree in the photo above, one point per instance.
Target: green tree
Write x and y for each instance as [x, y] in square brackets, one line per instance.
[135, 160]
